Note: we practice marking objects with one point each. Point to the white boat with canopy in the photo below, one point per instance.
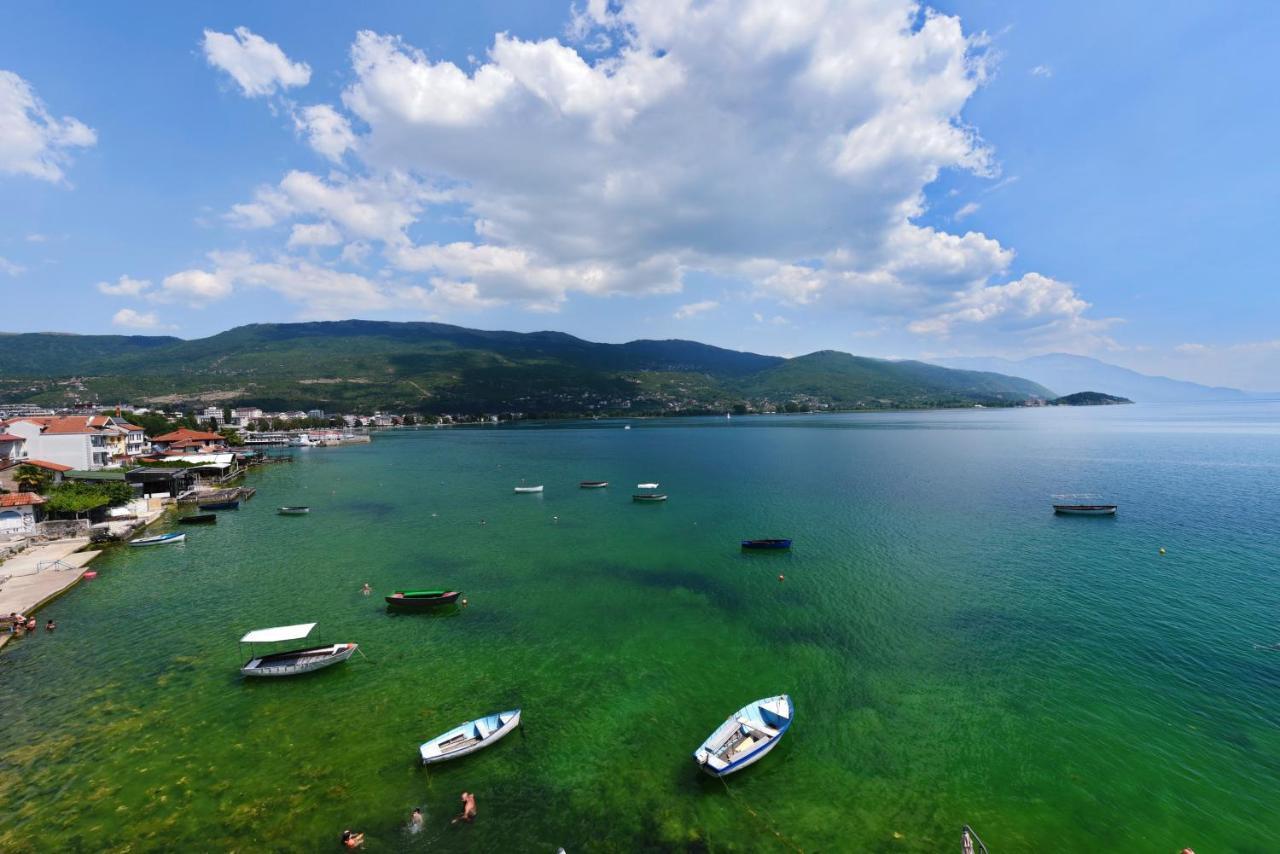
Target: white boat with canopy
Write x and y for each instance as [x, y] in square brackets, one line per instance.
[291, 662]
[745, 738]
[469, 737]
[646, 486]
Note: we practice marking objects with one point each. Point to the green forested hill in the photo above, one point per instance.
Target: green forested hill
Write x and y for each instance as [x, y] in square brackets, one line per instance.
[430, 367]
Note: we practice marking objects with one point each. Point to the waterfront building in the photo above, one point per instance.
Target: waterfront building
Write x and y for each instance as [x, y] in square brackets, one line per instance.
[78, 441]
[187, 441]
[18, 514]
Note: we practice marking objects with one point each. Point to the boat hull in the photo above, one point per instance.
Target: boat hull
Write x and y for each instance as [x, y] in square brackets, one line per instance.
[201, 519]
[294, 511]
[528, 489]
[220, 505]
[422, 603]
[593, 484]
[1085, 509]
[467, 738]
[162, 540]
[648, 499]
[298, 661]
[756, 545]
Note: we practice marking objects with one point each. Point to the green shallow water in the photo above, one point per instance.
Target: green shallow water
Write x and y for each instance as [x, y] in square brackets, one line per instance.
[955, 652]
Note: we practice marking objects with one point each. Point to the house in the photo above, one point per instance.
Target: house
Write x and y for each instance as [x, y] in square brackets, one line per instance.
[18, 513]
[244, 416]
[187, 441]
[78, 441]
[125, 441]
[160, 482]
[212, 414]
[12, 448]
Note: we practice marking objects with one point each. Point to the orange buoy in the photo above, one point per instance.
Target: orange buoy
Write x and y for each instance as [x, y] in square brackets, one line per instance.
[90, 574]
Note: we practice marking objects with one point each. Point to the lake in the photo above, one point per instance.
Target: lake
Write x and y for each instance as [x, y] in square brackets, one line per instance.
[955, 652]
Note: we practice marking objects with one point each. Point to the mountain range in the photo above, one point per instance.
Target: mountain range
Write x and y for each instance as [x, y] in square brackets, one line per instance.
[1067, 374]
[358, 365]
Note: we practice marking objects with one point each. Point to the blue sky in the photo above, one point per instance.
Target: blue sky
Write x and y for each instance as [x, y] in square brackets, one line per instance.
[967, 178]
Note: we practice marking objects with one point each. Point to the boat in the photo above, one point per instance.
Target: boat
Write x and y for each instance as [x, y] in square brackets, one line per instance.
[646, 486]
[1085, 509]
[199, 519]
[970, 842]
[294, 511]
[766, 544]
[528, 489]
[649, 496]
[421, 599]
[469, 737]
[158, 540]
[220, 505]
[594, 484]
[626, 427]
[746, 736]
[292, 662]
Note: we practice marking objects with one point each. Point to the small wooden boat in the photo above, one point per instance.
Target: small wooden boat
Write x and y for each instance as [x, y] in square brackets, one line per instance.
[421, 599]
[528, 488]
[766, 544]
[469, 737]
[294, 511]
[646, 486]
[1085, 509]
[220, 505]
[199, 519]
[293, 661]
[158, 540]
[649, 497]
[593, 484]
[746, 737]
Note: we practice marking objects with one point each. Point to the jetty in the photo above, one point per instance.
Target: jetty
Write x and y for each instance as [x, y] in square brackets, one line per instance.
[32, 578]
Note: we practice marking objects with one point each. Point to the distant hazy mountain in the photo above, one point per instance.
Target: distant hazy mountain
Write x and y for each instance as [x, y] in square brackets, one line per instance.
[1067, 374]
[358, 365]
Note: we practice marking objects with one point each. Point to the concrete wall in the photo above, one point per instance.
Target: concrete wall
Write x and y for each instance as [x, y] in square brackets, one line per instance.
[17, 520]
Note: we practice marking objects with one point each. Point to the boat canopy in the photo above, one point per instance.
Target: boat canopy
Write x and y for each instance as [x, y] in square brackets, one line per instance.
[279, 633]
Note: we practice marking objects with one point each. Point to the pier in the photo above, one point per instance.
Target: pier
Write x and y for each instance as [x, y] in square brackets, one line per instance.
[35, 577]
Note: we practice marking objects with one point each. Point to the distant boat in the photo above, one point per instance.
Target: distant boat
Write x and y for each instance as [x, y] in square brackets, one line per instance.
[646, 486]
[649, 496]
[626, 427]
[766, 544]
[199, 519]
[158, 540]
[593, 484]
[1085, 509]
[220, 505]
[421, 599]
[746, 737]
[469, 737]
[294, 511]
[529, 488]
[294, 661]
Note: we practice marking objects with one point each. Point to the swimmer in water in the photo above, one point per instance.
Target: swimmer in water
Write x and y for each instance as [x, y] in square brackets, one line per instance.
[366, 589]
[415, 820]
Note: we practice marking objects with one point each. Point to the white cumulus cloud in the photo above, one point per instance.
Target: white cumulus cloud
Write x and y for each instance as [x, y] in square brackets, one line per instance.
[130, 319]
[259, 67]
[9, 268]
[125, 286]
[688, 310]
[32, 141]
[328, 131]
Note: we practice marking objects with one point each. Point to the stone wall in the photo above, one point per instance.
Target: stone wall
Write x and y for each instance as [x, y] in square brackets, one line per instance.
[56, 529]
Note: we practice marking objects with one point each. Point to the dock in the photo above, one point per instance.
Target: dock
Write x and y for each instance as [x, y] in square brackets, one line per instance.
[37, 576]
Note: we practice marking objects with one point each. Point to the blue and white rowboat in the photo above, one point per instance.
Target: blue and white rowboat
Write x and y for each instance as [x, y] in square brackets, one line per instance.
[469, 737]
[158, 540]
[746, 737]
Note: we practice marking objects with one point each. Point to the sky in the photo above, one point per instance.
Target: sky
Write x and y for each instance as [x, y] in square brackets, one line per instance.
[883, 178]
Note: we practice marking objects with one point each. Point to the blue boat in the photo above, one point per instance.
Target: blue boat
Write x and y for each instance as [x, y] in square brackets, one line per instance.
[766, 544]
[220, 505]
[469, 737]
[745, 738]
[159, 540]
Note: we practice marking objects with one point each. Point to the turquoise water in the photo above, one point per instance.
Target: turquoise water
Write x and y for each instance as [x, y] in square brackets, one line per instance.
[956, 653]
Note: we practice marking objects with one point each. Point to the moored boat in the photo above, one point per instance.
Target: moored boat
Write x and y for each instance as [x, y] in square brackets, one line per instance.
[294, 511]
[593, 484]
[158, 540]
[766, 544]
[220, 505]
[421, 599]
[469, 737]
[1085, 509]
[646, 486]
[199, 519]
[292, 662]
[745, 738]
[529, 488]
[649, 497]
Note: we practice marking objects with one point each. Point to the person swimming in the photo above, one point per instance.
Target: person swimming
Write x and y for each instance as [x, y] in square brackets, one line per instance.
[351, 839]
[415, 820]
[366, 589]
[468, 809]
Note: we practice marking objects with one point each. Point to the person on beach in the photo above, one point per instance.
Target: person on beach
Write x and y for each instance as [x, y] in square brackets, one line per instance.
[468, 809]
[366, 590]
[352, 840]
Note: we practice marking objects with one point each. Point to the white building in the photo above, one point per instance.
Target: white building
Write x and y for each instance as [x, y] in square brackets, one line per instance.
[79, 441]
[214, 414]
[18, 514]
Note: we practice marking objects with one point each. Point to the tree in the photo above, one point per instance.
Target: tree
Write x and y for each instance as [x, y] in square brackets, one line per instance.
[32, 478]
[232, 437]
[78, 498]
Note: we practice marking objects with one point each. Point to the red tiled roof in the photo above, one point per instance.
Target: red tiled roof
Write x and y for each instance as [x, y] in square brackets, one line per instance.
[185, 433]
[45, 464]
[9, 437]
[20, 499]
[126, 425]
[64, 424]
